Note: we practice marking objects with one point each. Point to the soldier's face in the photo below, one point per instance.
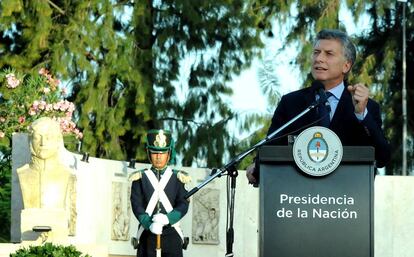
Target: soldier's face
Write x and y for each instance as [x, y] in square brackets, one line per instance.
[159, 160]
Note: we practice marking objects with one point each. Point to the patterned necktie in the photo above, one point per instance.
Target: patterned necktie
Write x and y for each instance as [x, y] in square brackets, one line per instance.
[324, 112]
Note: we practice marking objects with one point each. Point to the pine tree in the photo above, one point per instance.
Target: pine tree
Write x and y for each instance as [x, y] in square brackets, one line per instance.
[84, 43]
[215, 39]
[122, 59]
[381, 68]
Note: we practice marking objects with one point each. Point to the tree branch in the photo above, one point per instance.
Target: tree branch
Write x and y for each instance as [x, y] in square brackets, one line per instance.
[57, 7]
[184, 120]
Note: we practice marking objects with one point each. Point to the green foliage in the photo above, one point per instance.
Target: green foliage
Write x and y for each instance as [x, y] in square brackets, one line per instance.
[122, 61]
[383, 45]
[89, 46]
[254, 120]
[215, 39]
[5, 194]
[49, 250]
[27, 97]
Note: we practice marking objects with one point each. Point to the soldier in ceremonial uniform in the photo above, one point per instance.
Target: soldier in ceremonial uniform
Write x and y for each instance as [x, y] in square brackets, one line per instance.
[159, 214]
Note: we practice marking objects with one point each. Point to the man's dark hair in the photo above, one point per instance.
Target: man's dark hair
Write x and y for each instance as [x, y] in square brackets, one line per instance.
[343, 38]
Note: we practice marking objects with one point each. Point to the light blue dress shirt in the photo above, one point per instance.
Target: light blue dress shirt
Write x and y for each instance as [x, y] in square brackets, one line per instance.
[334, 100]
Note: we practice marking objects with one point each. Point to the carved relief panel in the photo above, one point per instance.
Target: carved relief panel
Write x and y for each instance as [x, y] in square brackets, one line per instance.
[206, 215]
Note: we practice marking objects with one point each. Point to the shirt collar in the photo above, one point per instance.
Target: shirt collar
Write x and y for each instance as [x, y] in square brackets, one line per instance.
[337, 90]
[161, 171]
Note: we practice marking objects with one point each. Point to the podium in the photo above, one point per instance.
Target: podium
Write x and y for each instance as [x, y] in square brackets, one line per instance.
[309, 216]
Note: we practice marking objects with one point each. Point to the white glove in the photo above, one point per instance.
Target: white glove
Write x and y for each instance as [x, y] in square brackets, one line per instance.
[161, 218]
[156, 228]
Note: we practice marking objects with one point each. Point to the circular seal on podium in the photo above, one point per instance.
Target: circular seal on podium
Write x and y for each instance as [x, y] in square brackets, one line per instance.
[317, 151]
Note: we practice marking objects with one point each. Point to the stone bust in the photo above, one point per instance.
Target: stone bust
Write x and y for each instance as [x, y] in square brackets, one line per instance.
[45, 181]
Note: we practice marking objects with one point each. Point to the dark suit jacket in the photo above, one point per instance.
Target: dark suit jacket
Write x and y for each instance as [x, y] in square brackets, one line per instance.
[349, 129]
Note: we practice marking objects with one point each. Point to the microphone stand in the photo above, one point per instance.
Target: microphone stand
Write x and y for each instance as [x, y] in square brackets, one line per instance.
[232, 172]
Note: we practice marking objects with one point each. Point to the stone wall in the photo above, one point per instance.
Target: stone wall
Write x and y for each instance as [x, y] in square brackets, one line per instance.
[104, 217]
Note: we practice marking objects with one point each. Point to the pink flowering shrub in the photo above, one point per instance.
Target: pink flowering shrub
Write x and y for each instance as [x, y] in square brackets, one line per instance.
[25, 98]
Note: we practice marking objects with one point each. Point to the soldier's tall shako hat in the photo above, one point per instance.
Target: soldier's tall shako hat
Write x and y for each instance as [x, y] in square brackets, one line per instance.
[159, 140]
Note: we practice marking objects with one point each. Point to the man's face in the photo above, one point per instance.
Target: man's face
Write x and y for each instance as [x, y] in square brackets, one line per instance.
[329, 64]
[45, 144]
[159, 160]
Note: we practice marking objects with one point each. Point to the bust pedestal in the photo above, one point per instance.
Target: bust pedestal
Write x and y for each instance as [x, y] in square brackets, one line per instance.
[56, 219]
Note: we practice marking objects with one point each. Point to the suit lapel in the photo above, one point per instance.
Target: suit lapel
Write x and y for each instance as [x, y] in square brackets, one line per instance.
[343, 109]
[309, 99]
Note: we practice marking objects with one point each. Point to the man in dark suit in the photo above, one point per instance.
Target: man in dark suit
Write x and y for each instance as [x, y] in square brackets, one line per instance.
[354, 117]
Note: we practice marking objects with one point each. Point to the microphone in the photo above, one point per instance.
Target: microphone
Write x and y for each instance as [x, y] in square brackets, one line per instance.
[321, 98]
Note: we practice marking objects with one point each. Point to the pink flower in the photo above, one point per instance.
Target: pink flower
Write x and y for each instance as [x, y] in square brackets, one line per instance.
[35, 104]
[43, 71]
[32, 111]
[12, 81]
[56, 106]
[49, 107]
[64, 105]
[42, 105]
[47, 88]
[71, 107]
[68, 114]
[77, 133]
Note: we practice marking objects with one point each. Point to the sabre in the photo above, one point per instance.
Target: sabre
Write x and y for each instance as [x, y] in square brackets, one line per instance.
[158, 247]
[158, 243]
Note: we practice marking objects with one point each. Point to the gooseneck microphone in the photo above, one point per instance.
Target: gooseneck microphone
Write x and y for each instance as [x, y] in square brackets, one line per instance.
[321, 97]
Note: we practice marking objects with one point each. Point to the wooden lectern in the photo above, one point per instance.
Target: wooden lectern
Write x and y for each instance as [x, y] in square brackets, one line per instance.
[308, 216]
